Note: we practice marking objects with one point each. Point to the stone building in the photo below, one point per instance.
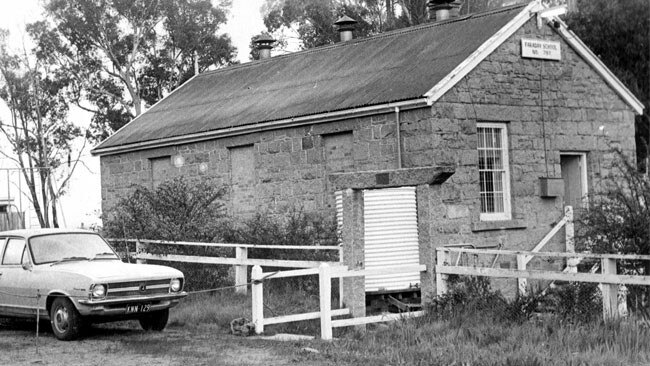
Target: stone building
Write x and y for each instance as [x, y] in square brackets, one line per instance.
[475, 129]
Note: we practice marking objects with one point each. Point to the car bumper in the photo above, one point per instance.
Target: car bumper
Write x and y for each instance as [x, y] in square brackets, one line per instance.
[117, 307]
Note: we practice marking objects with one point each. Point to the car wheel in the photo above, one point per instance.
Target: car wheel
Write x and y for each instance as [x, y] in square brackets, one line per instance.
[156, 320]
[65, 319]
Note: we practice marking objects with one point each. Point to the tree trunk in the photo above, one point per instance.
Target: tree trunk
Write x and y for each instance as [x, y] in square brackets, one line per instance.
[390, 12]
[55, 218]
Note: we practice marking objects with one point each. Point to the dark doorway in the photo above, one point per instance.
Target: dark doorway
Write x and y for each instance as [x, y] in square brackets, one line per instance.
[574, 174]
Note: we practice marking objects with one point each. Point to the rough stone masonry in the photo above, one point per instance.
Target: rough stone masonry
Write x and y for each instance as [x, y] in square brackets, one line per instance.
[549, 107]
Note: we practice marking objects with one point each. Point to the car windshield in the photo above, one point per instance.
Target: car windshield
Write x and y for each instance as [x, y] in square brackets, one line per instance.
[69, 246]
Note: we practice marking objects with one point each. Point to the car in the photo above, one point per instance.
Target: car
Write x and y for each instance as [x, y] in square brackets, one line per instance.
[73, 278]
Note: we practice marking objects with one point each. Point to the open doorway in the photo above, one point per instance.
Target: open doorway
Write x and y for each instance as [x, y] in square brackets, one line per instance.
[574, 174]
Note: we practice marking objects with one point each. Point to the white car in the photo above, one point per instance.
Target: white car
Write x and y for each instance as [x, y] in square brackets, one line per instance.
[73, 278]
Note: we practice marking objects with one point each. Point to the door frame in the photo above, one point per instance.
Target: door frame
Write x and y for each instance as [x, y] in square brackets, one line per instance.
[583, 173]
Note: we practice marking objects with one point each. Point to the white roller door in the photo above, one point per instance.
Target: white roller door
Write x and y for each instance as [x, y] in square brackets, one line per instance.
[391, 236]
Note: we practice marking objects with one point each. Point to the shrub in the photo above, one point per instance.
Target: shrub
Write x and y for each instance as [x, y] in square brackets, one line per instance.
[295, 227]
[176, 210]
[472, 299]
[618, 221]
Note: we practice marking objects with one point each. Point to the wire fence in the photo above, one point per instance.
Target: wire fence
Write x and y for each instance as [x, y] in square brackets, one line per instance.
[525, 285]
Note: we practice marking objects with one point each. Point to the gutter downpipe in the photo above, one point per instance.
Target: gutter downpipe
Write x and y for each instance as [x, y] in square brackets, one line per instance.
[399, 139]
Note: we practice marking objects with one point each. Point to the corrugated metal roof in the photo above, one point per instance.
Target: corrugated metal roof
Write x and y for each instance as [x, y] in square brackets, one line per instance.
[389, 67]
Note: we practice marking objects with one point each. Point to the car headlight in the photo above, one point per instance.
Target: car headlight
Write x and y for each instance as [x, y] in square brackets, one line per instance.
[175, 285]
[98, 290]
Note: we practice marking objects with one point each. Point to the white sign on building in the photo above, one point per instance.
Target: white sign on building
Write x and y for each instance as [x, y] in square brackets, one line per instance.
[545, 50]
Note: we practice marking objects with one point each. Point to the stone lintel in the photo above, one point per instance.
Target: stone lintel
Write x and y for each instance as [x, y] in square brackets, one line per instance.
[390, 178]
[498, 225]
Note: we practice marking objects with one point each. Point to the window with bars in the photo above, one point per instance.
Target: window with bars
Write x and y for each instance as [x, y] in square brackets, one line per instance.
[494, 175]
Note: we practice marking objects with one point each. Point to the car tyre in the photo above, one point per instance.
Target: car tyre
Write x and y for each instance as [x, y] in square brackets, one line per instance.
[156, 320]
[65, 320]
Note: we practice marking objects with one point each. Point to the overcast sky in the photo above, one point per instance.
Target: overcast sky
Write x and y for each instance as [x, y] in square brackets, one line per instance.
[82, 203]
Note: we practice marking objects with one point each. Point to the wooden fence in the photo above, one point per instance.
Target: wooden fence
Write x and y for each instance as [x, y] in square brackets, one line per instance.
[325, 274]
[609, 279]
[240, 261]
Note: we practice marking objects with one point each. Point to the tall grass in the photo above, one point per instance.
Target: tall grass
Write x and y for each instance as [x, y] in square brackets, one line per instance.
[484, 341]
[459, 337]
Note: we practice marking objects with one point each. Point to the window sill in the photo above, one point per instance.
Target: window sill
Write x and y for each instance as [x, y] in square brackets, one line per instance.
[498, 225]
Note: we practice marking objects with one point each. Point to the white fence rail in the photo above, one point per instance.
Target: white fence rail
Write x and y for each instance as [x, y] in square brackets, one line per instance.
[325, 274]
[608, 278]
[240, 261]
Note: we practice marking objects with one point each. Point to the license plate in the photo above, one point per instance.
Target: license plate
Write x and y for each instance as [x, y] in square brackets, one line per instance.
[140, 308]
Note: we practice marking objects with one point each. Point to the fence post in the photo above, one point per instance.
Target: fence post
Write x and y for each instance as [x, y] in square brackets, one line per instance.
[140, 248]
[610, 291]
[570, 246]
[442, 258]
[258, 302]
[325, 287]
[340, 280]
[521, 282]
[241, 275]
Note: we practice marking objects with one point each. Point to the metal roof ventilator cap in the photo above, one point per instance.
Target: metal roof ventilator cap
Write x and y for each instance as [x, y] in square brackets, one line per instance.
[443, 9]
[264, 45]
[345, 26]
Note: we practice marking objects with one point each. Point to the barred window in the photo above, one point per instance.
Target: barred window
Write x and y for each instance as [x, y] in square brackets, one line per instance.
[494, 175]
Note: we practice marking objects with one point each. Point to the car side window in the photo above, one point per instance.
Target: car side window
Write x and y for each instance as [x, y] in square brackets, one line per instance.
[2, 244]
[14, 251]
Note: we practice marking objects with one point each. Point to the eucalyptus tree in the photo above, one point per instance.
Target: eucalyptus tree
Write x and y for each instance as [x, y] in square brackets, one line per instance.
[121, 56]
[38, 130]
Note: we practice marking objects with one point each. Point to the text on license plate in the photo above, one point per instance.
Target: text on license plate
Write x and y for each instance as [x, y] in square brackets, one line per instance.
[140, 308]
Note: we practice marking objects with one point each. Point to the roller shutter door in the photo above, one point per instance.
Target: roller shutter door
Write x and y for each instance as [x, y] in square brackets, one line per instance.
[391, 236]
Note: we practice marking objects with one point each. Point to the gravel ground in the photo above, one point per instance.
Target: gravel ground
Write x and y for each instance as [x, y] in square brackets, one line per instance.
[125, 344]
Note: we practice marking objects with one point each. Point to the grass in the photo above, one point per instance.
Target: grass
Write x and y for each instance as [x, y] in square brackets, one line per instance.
[483, 341]
[222, 307]
[211, 308]
[478, 339]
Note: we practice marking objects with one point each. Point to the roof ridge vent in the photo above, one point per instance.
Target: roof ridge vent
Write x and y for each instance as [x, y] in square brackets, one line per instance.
[443, 9]
[264, 43]
[345, 25]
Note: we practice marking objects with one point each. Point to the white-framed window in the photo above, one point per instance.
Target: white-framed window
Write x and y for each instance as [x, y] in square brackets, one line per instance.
[494, 172]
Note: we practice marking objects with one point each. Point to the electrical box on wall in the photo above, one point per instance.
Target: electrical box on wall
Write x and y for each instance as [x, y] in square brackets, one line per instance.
[551, 187]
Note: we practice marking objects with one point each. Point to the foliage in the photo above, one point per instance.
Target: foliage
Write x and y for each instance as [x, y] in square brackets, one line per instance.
[313, 20]
[39, 132]
[468, 296]
[616, 31]
[176, 210]
[618, 221]
[618, 217]
[295, 227]
[120, 55]
[485, 341]
[575, 301]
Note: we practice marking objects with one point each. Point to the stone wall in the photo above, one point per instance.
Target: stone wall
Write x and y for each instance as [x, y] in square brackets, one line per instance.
[292, 165]
[575, 101]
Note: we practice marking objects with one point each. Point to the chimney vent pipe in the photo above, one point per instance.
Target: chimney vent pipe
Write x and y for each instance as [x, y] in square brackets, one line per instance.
[345, 26]
[443, 9]
[264, 45]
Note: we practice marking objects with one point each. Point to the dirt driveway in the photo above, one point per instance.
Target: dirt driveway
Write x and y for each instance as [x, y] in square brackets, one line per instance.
[124, 344]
